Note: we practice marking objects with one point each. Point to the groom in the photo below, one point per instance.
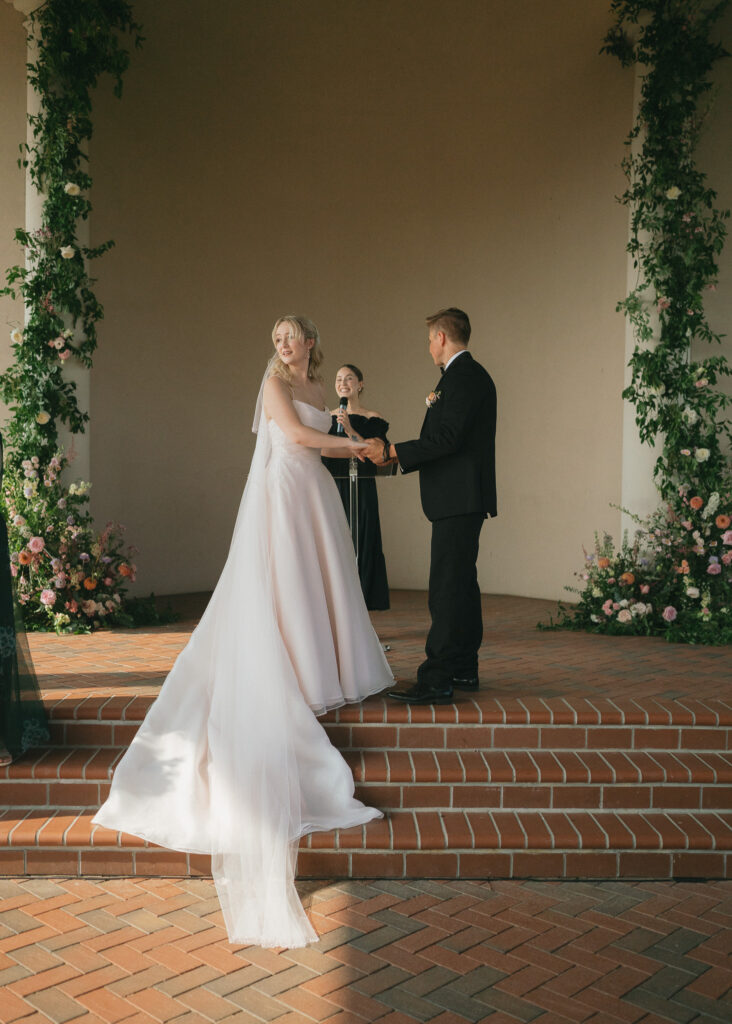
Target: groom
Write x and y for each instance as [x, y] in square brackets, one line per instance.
[455, 457]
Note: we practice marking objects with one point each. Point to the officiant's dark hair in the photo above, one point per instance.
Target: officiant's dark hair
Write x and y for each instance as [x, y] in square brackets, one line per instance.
[453, 322]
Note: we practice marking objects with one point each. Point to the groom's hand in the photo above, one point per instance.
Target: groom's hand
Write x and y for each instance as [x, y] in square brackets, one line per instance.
[374, 451]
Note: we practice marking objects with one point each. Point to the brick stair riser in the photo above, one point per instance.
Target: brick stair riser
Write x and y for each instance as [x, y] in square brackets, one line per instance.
[555, 864]
[437, 736]
[80, 792]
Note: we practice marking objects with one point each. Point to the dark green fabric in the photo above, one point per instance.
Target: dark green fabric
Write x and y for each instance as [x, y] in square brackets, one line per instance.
[23, 721]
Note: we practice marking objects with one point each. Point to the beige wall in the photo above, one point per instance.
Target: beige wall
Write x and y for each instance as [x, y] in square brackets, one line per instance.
[364, 163]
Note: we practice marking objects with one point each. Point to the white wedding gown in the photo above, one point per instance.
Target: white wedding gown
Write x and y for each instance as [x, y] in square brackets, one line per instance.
[230, 759]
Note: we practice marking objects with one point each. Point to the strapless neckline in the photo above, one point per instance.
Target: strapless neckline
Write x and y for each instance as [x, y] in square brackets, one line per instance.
[310, 406]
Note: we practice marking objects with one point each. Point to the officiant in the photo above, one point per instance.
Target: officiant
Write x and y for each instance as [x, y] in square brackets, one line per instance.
[353, 418]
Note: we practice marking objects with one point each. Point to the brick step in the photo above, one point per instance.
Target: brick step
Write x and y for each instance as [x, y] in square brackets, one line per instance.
[445, 844]
[442, 780]
[87, 732]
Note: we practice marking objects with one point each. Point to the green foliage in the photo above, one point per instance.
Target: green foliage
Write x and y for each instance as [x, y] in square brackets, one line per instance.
[78, 41]
[676, 237]
[67, 578]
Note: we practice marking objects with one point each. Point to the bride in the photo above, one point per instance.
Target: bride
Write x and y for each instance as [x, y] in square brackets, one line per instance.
[231, 759]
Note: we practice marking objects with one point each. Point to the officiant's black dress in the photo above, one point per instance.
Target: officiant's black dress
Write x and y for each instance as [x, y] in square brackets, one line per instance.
[371, 564]
[23, 722]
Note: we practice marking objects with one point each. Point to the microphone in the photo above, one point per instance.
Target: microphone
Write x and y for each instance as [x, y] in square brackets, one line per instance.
[343, 404]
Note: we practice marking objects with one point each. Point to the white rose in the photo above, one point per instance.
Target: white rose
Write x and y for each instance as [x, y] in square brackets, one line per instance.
[43, 417]
[67, 251]
[690, 416]
[16, 336]
[673, 193]
[58, 343]
[68, 333]
[638, 608]
[596, 592]
[72, 189]
[692, 592]
[701, 454]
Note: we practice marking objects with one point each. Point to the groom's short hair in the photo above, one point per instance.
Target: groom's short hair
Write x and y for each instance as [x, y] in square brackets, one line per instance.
[453, 322]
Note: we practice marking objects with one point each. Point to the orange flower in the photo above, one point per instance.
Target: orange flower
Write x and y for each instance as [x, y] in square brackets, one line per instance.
[628, 578]
[603, 562]
[723, 521]
[89, 583]
[684, 567]
[696, 502]
[124, 569]
[25, 557]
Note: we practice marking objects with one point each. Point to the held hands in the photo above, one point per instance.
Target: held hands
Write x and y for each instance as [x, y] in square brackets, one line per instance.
[378, 452]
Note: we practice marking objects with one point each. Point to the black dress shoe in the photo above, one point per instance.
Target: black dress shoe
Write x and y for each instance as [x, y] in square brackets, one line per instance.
[466, 684]
[422, 695]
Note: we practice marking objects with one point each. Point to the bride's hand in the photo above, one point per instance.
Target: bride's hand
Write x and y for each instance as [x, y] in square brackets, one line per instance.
[357, 448]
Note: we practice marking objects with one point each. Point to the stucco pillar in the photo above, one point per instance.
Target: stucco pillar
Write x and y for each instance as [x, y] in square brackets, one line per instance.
[638, 491]
[73, 370]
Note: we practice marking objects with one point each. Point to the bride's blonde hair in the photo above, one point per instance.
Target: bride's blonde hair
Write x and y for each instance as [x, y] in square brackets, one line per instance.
[304, 329]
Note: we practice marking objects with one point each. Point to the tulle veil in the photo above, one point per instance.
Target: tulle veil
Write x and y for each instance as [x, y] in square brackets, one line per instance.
[215, 767]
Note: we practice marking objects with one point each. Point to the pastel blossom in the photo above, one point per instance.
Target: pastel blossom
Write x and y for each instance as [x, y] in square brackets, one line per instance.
[48, 598]
[64, 354]
[685, 451]
[645, 589]
[714, 569]
[16, 336]
[669, 613]
[727, 537]
[624, 615]
[702, 454]
[692, 592]
[72, 189]
[673, 193]
[608, 607]
[43, 417]
[663, 303]
[67, 252]
[36, 545]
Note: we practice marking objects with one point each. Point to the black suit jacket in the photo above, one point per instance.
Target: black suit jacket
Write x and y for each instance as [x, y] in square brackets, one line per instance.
[455, 453]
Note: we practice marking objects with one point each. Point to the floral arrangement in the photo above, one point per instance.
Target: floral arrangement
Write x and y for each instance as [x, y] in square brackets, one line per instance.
[68, 578]
[675, 579]
[50, 527]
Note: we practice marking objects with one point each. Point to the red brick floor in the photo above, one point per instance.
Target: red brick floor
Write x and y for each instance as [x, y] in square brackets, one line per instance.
[517, 660]
[138, 950]
[150, 950]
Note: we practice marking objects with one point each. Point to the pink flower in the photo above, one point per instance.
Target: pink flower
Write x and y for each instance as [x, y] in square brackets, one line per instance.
[624, 615]
[727, 558]
[36, 545]
[685, 451]
[645, 589]
[686, 524]
[701, 383]
[64, 354]
[727, 537]
[60, 581]
[48, 598]
[72, 606]
[669, 613]
[108, 581]
[88, 607]
[13, 570]
[608, 606]
[714, 569]
[663, 303]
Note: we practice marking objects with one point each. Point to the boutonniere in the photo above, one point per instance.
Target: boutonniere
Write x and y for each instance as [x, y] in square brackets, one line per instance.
[432, 398]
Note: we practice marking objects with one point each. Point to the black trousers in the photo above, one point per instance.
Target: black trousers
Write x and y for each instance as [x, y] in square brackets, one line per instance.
[456, 632]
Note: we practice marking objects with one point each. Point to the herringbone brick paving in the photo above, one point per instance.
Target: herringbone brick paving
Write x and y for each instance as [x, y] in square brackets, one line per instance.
[151, 950]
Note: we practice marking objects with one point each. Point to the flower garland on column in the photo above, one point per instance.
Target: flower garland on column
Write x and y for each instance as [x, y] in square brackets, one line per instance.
[67, 577]
[676, 578]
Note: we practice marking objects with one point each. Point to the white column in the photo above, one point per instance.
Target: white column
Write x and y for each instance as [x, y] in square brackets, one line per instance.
[638, 491]
[80, 443]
